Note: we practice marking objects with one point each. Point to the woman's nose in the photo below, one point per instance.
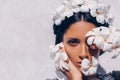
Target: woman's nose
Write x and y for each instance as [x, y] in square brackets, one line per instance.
[84, 52]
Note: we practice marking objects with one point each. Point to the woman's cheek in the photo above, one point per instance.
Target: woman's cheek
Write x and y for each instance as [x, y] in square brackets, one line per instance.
[70, 50]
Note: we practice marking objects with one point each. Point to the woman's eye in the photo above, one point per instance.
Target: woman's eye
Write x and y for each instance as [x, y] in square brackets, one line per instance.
[73, 42]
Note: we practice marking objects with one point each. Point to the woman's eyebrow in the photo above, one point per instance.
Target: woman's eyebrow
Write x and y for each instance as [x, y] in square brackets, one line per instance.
[73, 38]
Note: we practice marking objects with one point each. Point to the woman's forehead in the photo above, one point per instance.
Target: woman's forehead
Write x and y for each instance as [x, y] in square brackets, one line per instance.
[80, 27]
[78, 31]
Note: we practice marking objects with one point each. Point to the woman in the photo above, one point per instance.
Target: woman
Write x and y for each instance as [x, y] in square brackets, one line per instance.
[73, 54]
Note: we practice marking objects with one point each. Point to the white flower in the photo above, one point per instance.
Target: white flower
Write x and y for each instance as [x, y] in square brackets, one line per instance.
[114, 37]
[116, 53]
[58, 21]
[77, 2]
[102, 8]
[65, 2]
[99, 42]
[59, 57]
[89, 68]
[75, 9]
[57, 14]
[101, 13]
[88, 5]
[114, 40]
[98, 36]
[84, 9]
[93, 12]
[108, 46]
[68, 13]
[68, 7]
[105, 39]
[110, 19]
[96, 9]
[100, 19]
[100, 16]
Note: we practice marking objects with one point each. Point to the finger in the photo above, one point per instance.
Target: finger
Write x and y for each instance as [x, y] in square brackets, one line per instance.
[73, 70]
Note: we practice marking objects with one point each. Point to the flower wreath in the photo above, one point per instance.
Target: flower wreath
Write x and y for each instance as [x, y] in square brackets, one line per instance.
[96, 9]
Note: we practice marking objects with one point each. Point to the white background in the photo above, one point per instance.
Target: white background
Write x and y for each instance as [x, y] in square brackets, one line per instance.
[25, 36]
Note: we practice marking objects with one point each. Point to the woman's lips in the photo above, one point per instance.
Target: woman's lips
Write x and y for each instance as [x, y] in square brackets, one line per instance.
[79, 64]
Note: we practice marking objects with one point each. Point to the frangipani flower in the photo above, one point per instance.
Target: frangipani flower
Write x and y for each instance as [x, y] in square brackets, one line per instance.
[59, 57]
[89, 68]
[97, 37]
[114, 40]
[96, 9]
[109, 19]
[116, 53]
[77, 2]
[105, 39]
[57, 14]
[101, 13]
[88, 5]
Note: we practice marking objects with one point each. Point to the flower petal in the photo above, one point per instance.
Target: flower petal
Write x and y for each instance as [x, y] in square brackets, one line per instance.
[88, 70]
[92, 71]
[115, 53]
[64, 56]
[85, 64]
[58, 22]
[60, 9]
[94, 62]
[108, 47]
[85, 72]
[99, 42]
[76, 10]
[90, 33]
[92, 5]
[68, 13]
[110, 19]
[100, 19]
[90, 40]
[60, 45]
[53, 49]
[84, 9]
[56, 57]
[93, 13]
[77, 2]
[103, 8]
[116, 41]
[104, 31]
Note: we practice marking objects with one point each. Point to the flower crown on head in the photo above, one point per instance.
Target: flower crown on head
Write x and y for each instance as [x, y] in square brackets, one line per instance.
[94, 7]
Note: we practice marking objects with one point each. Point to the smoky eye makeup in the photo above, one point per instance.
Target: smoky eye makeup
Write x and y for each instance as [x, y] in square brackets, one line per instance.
[73, 41]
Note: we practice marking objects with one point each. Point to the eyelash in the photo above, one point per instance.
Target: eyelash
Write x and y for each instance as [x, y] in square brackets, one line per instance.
[73, 42]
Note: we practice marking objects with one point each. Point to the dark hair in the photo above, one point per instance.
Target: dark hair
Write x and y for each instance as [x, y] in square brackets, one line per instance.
[59, 30]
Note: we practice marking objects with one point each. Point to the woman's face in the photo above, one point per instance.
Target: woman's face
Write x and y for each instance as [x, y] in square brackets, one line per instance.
[74, 41]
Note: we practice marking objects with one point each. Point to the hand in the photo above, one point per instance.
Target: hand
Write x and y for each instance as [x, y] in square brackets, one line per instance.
[87, 68]
[73, 73]
[62, 62]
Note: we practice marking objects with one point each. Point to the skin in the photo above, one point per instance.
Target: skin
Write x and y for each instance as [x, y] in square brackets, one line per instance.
[75, 45]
